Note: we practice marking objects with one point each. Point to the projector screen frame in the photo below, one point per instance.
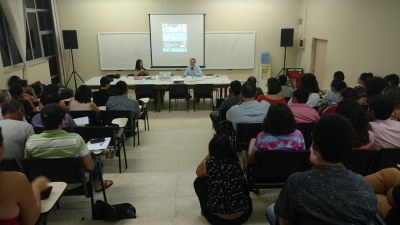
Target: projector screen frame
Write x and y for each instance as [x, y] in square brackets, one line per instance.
[204, 40]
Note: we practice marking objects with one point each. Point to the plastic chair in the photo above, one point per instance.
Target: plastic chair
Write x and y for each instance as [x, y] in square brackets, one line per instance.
[203, 91]
[361, 161]
[179, 91]
[132, 126]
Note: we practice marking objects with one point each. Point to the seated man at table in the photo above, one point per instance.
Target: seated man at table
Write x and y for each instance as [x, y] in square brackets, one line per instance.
[101, 96]
[193, 70]
[55, 142]
[121, 101]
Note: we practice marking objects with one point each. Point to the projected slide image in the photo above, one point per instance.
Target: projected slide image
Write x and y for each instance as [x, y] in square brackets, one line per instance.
[174, 37]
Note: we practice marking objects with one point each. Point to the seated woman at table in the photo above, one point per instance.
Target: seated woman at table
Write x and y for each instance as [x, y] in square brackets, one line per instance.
[83, 100]
[139, 69]
[19, 199]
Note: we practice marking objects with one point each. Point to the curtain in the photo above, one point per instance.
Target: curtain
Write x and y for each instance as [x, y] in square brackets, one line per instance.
[14, 10]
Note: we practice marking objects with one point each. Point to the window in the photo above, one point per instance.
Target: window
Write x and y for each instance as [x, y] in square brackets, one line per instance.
[8, 49]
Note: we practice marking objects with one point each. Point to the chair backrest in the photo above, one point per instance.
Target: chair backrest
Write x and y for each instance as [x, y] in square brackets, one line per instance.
[178, 91]
[329, 110]
[244, 133]
[108, 116]
[145, 91]
[10, 164]
[91, 132]
[93, 120]
[387, 157]
[361, 161]
[69, 170]
[203, 90]
[306, 129]
[271, 168]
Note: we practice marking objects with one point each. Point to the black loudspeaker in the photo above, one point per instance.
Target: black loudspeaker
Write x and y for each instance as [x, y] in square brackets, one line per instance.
[287, 37]
[70, 39]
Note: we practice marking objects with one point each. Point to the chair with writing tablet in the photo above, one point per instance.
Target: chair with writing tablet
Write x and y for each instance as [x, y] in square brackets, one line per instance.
[131, 126]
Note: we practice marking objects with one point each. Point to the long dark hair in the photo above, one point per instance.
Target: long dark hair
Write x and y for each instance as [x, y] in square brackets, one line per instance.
[279, 120]
[137, 65]
[220, 147]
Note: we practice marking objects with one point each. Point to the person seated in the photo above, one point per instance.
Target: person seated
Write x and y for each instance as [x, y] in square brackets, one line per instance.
[223, 199]
[4, 98]
[279, 132]
[57, 143]
[274, 87]
[101, 97]
[363, 79]
[332, 97]
[232, 99]
[375, 86]
[250, 110]
[19, 199]
[15, 131]
[17, 92]
[83, 100]
[309, 82]
[287, 92]
[328, 193]
[12, 80]
[28, 92]
[69, 123]
[302, 112]
[192, 69]
[253, 80]
[386, 184]
[121, 101]
[348, 94]
[393, 92]
[392, 79]
[49, 90]
[386, 130]
[139, 69]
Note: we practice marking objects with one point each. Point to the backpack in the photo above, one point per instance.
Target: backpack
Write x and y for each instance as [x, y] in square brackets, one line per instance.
[107, 212]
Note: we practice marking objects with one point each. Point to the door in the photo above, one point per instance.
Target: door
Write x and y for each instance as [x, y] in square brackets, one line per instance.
[318, 59]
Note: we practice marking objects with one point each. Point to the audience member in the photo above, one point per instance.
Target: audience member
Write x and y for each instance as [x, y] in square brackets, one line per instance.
[309, 82]
[232, 99]
[386, 131]
[363, 79]
[55, 142]
[332, 97]
[287, 92]
[348, 94]
[12, 80]
[253, 80]
[16, 92]
[4, 98]
[83, 100]
[221, 186]
[19, 199]
[274, 87]
[386, 184]
[192, 69]
[279, 132]
[249, 111]
[49, 90]
[139, 69]
[28, 92]
[302, 112]
[15, 131]
[121, 101]
[375, 86]
[328, 193]
[51, 98]
[101, 96]
[393, 92]
[392, 79]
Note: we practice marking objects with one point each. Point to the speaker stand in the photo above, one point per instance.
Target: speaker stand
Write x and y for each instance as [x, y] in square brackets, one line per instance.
[74, 73]
[283, 70]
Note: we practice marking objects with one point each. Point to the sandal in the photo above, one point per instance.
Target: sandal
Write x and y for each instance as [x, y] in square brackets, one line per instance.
[107, 184]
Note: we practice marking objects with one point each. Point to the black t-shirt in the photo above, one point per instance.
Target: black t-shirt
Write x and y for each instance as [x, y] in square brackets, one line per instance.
[101, 97]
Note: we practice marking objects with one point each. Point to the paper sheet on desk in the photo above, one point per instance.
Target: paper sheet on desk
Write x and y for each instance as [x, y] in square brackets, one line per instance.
[81, 121]
[99, 146]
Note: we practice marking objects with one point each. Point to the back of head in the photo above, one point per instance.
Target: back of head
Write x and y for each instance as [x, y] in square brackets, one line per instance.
[53, 97]
[366, 77]
[12, 80]
[392, 79]
[279, 120]
[16, 90]
[252, 79]
[51, 88]
[309, 81]
[282, 79]
[375, 86]
[104, 81]
[381, 106]
[248, 90]
[338, 75]
[121, 87]
[83, 94]
[4, 96]
[220, 147]
[349, 94]
[393, 92]
[301, 95]
[235, 87]
[333, 137]
[52, 116]
[338, 85]
[11, 107]
[23, 83]
[274, 86]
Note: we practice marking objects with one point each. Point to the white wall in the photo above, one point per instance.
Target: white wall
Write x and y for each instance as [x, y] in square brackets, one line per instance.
[37, 71]
[266, 17]
[363, 36]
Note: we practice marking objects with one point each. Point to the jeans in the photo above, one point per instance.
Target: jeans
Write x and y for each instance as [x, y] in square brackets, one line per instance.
[271, 217]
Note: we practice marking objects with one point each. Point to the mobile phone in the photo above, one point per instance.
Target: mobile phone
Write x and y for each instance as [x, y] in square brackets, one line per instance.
[46, 193]
[96, 140]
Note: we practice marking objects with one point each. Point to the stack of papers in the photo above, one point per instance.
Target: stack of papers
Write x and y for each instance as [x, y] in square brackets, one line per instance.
[81, 121]
[99, 146]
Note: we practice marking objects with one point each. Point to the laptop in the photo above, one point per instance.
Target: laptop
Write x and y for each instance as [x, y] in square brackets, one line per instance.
[164, 75]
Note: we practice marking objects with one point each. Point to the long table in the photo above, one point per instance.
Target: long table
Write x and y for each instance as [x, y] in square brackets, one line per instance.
[219, 81]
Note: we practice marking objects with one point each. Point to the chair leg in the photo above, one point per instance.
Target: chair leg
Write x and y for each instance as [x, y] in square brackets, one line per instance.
[138, 136]
[194, 105]
[147, 118]
[169, 105]
[123, 147]
[119, 159]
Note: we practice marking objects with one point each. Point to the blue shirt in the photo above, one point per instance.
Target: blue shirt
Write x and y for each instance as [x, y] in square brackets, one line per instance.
[195, 72]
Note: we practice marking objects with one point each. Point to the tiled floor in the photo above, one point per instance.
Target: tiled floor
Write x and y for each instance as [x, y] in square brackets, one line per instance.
[160, 174]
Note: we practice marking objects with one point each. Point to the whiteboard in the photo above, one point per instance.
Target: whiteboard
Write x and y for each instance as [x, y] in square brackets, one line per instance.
[223, 50]
[120, 50]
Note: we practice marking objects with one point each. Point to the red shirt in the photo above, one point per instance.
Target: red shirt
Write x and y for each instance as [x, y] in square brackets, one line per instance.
[271, 101]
